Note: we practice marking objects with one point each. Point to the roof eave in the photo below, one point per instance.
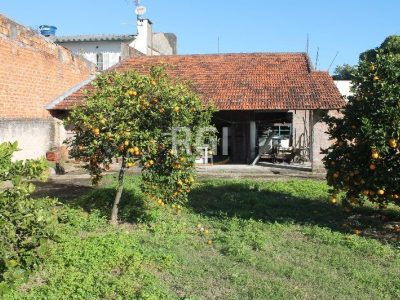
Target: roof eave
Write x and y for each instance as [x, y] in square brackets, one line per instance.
[52, 105]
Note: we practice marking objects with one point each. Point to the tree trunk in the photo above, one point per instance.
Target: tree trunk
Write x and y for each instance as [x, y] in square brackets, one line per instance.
[120, 187]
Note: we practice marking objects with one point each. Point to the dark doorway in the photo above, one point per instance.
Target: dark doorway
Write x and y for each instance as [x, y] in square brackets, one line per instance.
[240, 153]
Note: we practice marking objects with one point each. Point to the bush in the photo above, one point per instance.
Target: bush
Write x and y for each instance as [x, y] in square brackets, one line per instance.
[25, 223]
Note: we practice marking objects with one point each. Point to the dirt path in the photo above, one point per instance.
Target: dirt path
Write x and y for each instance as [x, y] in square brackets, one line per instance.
[76, 180]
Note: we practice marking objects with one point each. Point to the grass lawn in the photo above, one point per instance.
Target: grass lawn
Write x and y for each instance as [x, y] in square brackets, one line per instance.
[270, 240]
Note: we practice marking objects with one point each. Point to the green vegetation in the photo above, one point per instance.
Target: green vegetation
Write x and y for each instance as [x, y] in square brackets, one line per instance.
[134, 118]
[25, 224]
[364, 161]
[235, 239]
[344, 72]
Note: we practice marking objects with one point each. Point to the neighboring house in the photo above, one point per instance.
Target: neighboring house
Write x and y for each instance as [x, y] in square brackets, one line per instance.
[107, 50]
[33, 71]
[344, 87]
[255, 93]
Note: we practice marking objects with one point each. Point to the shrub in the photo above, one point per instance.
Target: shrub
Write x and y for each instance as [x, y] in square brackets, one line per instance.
[25, 223]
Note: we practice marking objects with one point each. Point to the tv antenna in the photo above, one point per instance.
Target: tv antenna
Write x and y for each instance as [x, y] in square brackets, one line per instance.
[139, 10]
[316, 59]
[307, 43]
[337, 53]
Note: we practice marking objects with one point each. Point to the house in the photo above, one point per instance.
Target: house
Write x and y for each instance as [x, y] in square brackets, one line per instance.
[107, 50]
[259, 96]
[33, 71]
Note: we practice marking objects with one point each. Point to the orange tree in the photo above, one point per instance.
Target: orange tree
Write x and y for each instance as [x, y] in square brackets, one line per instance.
[364, 161]
[138, 119]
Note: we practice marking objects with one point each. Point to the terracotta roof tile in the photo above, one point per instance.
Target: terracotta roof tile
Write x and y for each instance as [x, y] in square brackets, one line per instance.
[256, 81]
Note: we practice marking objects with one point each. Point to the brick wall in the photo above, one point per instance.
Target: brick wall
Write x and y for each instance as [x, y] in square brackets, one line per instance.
[310, 132]
[34, 71]
[320, 140]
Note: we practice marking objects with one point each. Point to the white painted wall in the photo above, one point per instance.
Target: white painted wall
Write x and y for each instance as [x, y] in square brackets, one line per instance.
[111, 51]
[144, 39]
[344, 87]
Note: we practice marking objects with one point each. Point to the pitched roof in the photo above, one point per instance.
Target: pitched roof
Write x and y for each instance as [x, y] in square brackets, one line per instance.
[94, 38]
[256, 81]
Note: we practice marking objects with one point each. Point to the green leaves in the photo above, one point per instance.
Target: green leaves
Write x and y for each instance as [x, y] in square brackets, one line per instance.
[132, 116]
[24, 223]
[365, 160]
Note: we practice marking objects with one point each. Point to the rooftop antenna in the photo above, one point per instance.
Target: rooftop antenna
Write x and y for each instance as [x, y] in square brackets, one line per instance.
[139, 10]
[307, 43]
[316, 59]
[337, 53]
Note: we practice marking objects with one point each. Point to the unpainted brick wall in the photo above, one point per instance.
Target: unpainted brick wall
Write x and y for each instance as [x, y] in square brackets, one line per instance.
[34, 71]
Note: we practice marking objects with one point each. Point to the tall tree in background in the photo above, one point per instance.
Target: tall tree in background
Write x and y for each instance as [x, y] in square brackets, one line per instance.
[344, 72]
[364, 161]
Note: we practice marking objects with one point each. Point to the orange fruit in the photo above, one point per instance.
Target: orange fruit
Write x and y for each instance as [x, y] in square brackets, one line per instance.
[209, 242]
[376, 78]
[126, 143]
[333, 199]
[372, 68]
[375, 155]
[393, 143]
[96, 131]
[380, 192]
[130, 164]
[176, 109]
[132, 93]
[372, 167]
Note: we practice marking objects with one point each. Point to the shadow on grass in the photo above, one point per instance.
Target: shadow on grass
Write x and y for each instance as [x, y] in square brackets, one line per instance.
[246, 201]
[298, 202]
[132, 206]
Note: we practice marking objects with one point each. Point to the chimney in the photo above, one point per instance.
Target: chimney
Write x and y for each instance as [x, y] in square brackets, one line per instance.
[47, 30]
[144, 38]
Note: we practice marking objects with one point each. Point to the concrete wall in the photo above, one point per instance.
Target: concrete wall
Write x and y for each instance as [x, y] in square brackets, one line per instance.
[165, 43]
[34, 136]
[33, 72]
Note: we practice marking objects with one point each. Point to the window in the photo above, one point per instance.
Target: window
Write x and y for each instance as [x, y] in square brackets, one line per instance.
[99, 61]
[282, 130]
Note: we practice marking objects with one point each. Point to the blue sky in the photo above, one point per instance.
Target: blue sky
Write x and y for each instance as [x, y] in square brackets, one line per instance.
[349, 27]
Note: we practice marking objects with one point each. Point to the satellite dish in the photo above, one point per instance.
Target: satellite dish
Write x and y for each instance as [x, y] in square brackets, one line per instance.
[140, 10]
